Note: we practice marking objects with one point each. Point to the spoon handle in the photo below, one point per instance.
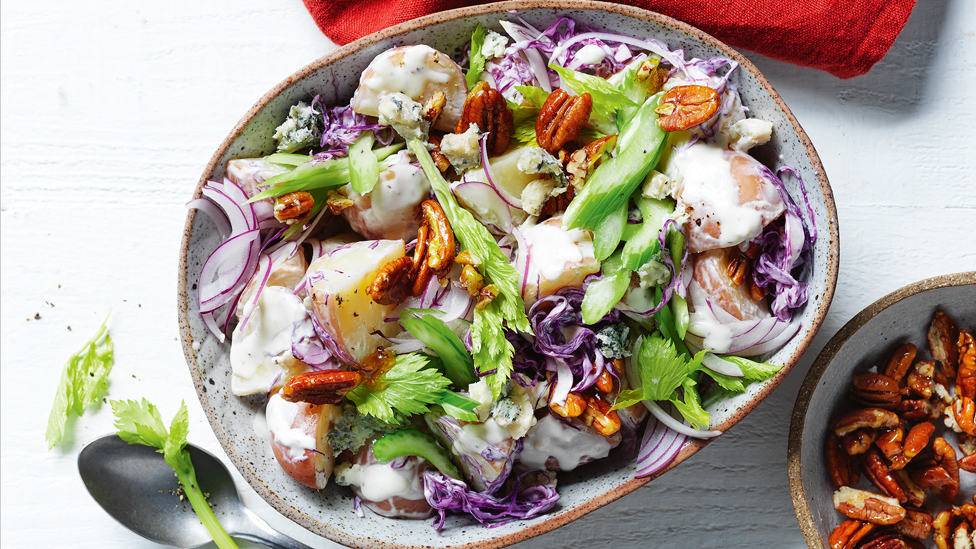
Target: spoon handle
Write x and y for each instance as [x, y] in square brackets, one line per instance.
[258, 531]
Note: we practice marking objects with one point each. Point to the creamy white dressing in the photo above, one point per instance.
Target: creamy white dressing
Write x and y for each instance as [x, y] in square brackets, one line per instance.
[552, 248]
[408, 76]
[551, 438]
[590, 54]
[476, 437]
[259, 350]
[703, 174]
[380, 481]
[390, 210]
[281, 416]
[717, 338]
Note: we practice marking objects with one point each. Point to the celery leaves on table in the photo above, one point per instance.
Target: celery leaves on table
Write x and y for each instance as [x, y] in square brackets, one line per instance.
[477, 57]
[141, 423]
[492, 352]
[82, 380]
[412, 385]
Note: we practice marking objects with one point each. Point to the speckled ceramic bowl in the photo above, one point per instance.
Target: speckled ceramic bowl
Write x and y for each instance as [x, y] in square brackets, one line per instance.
[867, 340]
[328, 512]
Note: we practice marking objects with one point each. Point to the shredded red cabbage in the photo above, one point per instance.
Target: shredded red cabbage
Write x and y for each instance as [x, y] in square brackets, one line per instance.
[786, 256]
[447, 494]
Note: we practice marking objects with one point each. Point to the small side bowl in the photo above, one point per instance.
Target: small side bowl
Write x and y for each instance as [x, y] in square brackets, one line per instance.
[867, 339]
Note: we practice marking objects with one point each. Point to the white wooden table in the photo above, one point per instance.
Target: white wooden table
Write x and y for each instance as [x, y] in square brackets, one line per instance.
[111, 109]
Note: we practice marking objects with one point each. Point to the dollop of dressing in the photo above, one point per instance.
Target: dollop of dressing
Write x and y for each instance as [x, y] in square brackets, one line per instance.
[281, 416]
[590, 54]
[380, 481]
[261, 347]
[553, 248]
[550, 437]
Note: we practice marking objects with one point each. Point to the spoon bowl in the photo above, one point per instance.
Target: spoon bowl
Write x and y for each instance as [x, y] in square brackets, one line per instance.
[136, 486]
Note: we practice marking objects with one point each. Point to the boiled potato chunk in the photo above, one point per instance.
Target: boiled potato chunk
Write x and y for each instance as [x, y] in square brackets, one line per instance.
[340, 297]
[553, 258]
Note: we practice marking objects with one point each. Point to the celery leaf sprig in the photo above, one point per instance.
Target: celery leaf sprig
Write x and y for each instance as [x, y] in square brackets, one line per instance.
[140, 423]
[410, 387]
[82, 380]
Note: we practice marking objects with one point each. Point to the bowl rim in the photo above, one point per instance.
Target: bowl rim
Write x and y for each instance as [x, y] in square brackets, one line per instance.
[560, 519]
[816, 372]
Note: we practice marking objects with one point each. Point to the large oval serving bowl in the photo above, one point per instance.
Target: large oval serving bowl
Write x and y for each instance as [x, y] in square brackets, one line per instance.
[328, 512]
[866, 340]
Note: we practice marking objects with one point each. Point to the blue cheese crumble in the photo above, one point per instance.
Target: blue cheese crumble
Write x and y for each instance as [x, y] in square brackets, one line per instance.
[463, 150]
[301, 129]
[404, 115]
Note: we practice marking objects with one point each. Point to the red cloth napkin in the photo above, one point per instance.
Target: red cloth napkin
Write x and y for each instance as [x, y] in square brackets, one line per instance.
[843, 37]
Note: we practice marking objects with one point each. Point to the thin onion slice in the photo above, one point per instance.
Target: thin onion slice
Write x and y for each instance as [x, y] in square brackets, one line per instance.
[719, 365]
[659, 446]
[678, 426]
[214, 213]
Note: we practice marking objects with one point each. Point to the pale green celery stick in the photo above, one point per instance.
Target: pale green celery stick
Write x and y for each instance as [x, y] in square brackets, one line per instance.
[364, 168]
[601, 295]
[640, 144]
[643, 245]
[608, 233]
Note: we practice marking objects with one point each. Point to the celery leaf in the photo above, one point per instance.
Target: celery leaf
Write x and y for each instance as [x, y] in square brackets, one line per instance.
[408, 387]
[82, 380]
[477, 57]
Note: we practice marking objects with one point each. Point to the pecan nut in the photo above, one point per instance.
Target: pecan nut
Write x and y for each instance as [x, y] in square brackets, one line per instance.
[966, 375]
[867, 506]
[574, 406]
[293, 208]
[561, 118]
[968, 463]
[885, 541]
[917, 524]
[919, 409]
[436, 246]
[488, 109]
[849, 533]
[392, 283]
[599, 416]
[321, 387]
[917, 439]
[873, 418]
[684, 107]
[859, 441]
[945, 456]
[942, 529]
[585, 160]
[920, 379]
[964, 412]
[877, 471]
[900, 362]
[943, 336]
[914, 492]
[841, 466]
[336, 202]
[876, 390]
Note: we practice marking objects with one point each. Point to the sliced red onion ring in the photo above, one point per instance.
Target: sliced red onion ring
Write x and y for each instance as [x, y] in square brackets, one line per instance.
[659, 446]
[214, 213]
[721, 366]
[502, 191]
[678, 426]
[233, 263]
[240, 217]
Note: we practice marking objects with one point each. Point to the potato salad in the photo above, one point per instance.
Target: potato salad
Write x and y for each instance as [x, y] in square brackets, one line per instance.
[482, 271]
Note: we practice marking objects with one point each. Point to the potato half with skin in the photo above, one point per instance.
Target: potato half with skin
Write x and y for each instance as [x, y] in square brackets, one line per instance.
[711, 273]
[387, 491]
[418, 72]
[553, 258]
[341, 302]
[300, 439]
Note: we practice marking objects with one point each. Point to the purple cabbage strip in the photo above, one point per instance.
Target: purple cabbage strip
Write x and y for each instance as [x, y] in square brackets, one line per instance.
[782, 265]
[447, 494]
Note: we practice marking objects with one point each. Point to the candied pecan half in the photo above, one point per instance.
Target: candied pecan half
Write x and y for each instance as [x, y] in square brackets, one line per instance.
[943, 336]
[392, 283]
[945, 456]
[293, 208]
[917, 523]
[966, 376]
[841, 467]
[874, 418]
[561, 118]
[488, 109]
[877, 390]
[849, 533]
[321, 387]
[877, 471]
[900, 361]
[684, 107]
[867, 506]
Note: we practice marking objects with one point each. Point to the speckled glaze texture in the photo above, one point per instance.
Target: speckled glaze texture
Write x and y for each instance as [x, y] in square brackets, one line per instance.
[334, 77]
[866, 340]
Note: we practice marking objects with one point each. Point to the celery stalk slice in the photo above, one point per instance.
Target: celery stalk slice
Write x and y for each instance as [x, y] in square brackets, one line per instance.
[364, 167]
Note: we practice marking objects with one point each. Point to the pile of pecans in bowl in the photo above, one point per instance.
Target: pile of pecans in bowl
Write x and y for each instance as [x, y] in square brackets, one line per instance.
[893, 441]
